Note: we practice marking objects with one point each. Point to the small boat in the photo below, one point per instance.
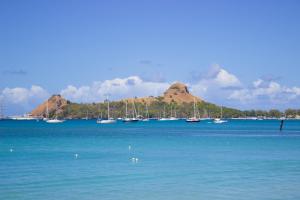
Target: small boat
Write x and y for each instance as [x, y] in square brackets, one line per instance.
[52, 121]
[109, 120]
[220, 120]
[167, 118]
[163, 119]
[86, 116]
[130, 119]
[106, 121]
[173, 119]
[147, 115]
[194, 118]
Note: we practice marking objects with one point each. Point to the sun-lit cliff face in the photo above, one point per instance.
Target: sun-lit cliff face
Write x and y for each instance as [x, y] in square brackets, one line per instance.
[56, 104]
[179, 93]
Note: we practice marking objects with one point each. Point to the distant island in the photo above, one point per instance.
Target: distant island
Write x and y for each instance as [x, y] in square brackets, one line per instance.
[176, 100]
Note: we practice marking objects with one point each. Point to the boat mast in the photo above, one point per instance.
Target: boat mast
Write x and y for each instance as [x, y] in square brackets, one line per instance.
[107, 108]
[126, 111]
[221, 112]
[134, 110]
[147, 111]
[99, 111]
[55, 109]
[194, 108]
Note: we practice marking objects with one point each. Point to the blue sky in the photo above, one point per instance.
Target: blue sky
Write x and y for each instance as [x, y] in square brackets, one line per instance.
[48, 47]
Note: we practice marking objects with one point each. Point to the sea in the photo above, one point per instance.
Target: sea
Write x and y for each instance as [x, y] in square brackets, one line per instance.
[155, 160]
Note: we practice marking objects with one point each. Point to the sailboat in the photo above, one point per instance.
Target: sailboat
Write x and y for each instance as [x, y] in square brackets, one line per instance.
[147, 114]
[220, 120]
[194, 118]
[173, 118]
[99, 116]
[86, 116]
[47, 112]
[164, 118]
[108, 120]
[128, 119]
[55, 120]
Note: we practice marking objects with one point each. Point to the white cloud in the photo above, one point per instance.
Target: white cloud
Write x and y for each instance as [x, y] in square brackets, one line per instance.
[215, 84]
[20, 95]
[225, 79]
[19, 100]
[222, 87]
[117, 88]
[269, 93]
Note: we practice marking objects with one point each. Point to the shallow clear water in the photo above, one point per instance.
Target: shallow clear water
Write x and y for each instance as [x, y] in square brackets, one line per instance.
[176, 160]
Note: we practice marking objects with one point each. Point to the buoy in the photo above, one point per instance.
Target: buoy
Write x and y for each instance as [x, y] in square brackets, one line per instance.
[281, 125]
[76, 155]
[134, 160]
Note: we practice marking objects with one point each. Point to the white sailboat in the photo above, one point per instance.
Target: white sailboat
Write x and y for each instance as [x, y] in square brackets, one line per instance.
[194, 118]
[86, 115]
[47, 112]
[220, 120]
[130, 119]
[147, 114]
[109, 120]
[173, 118]
[164, 118]
[55, 120]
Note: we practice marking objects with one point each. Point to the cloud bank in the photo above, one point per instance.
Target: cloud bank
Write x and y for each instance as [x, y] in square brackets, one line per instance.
[20, 100]
[216, 85]
[116, 89]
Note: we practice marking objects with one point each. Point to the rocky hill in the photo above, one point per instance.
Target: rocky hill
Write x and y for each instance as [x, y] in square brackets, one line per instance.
[56, 105]
[177, 93]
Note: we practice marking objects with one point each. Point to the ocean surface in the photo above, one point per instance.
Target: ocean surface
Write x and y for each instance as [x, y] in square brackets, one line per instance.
[79, 159]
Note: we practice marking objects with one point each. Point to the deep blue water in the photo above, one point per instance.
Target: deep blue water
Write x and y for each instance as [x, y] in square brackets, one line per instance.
[239, 160]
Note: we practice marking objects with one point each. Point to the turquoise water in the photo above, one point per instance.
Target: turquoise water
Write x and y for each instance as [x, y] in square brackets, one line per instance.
[238, 160]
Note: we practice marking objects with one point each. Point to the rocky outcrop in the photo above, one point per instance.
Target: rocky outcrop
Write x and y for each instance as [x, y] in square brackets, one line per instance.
[177, 93]
[56, 105]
